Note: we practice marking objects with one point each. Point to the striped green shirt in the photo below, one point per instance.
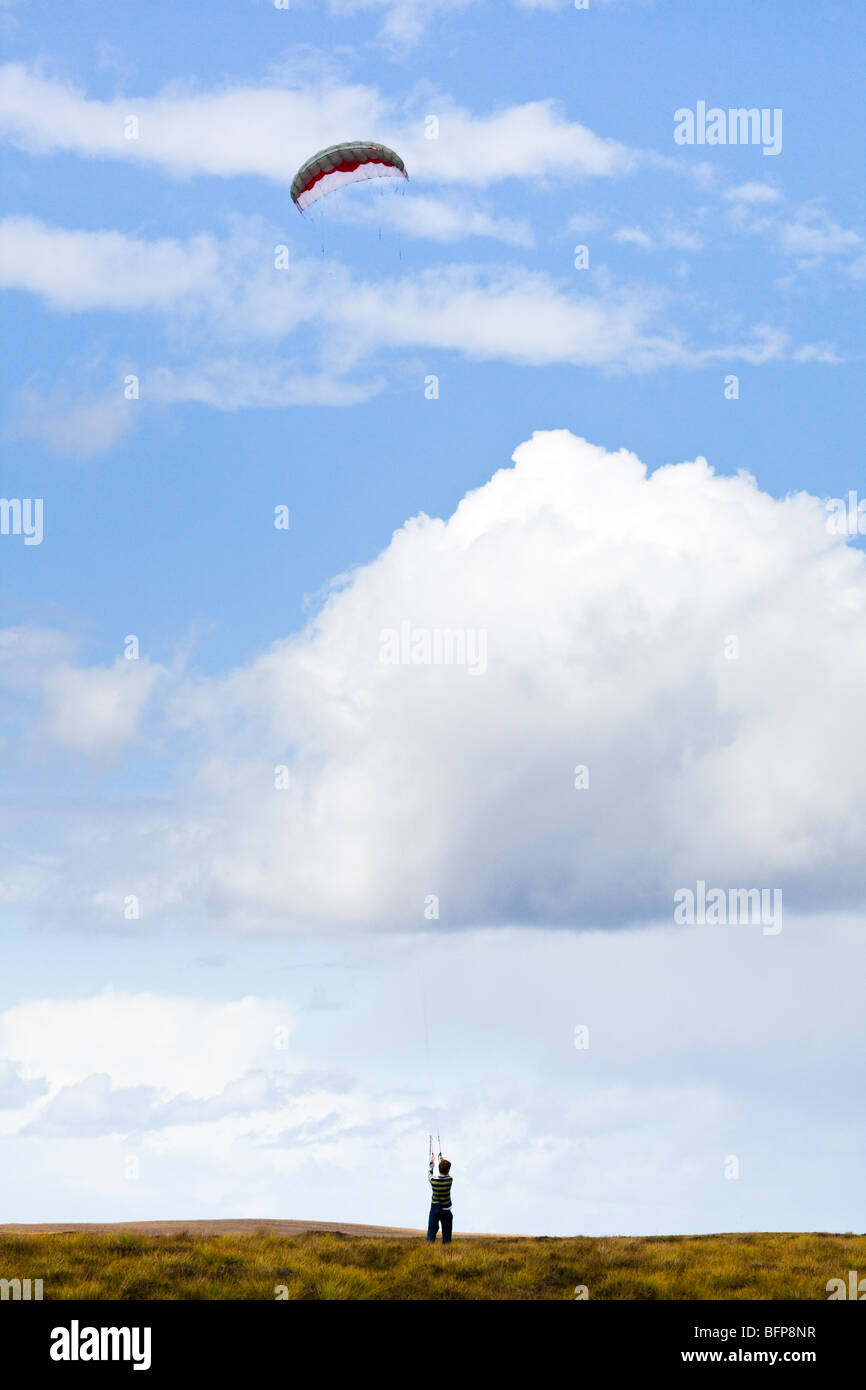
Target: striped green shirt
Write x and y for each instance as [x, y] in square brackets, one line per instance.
[441, 1188]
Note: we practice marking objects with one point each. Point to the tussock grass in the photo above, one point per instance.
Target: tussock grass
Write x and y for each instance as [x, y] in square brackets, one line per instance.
[131, 1266]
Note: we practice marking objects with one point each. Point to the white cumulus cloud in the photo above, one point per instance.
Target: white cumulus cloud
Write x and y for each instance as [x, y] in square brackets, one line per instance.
[696, 643]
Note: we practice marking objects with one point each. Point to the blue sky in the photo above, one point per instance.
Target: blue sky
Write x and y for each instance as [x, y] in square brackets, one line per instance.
[607, 576]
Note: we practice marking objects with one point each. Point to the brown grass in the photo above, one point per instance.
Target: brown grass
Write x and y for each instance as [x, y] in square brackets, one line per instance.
[181, 1266]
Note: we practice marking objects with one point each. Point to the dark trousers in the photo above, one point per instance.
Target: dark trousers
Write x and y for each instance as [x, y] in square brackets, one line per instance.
[438, 1214]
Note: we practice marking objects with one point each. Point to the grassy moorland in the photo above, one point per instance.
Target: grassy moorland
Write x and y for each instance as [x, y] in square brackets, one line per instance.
[127, 1265]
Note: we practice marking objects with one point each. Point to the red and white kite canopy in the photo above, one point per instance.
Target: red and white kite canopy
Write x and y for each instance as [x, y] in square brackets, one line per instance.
[341, 164]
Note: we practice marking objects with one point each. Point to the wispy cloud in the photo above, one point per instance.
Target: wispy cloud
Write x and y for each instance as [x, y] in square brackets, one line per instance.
[270, 131]
[231, 289]
[805, 232]
[443, 221]
[751, 193]
[95, 710]
[404, 22]
[82, 429]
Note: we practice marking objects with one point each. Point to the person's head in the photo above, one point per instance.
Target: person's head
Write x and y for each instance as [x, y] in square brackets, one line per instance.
[444, 1167]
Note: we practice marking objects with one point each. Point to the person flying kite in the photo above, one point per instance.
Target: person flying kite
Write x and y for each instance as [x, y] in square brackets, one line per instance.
[440, 1207]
